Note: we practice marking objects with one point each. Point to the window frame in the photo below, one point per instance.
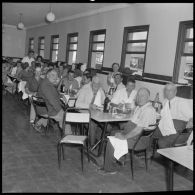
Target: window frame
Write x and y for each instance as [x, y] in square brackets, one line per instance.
[51, 45]
[39, 45]
[69, 36]
[183, 26]
[133, 29]
[29, 46]
[91, 42]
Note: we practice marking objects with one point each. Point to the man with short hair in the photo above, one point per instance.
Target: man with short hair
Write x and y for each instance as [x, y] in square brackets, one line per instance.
[125, 96]
[29, 58]
[176, 115]
[48, 91]
[143, 116]
[69, 82]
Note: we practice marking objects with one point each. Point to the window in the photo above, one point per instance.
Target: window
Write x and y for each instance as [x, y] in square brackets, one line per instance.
[31, 44]
[54, 48]
[41, 46]
[183, 68]
[96, 48]
[71, 48]
[134, 48]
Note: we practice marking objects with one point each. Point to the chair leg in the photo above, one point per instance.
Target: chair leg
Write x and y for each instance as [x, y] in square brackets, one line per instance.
[131, 160]
[145, 154]
[82, 158]
[63, 152]
[154, 149]
[59, 154]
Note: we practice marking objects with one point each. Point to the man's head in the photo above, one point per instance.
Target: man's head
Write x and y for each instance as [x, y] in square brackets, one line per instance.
[87, 78]
[95, 84]
[143, 96]
[70, 75]
[25, 66]
[37, 71]
[170, 91]
[31, 54]
[118, 78]
[130, 84]
[52, 76]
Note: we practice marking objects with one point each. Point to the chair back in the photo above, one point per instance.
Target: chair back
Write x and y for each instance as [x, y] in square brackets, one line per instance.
[143, 140]
[77, 115]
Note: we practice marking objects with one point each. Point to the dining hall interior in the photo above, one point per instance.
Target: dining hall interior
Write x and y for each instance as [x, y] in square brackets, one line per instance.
[97, 97]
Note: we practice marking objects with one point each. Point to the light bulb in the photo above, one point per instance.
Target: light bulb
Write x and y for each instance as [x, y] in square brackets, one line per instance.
[50, 17]
[20, 26]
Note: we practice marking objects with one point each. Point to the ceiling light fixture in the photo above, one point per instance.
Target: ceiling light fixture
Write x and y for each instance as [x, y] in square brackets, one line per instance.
[20, 25]
[50, 17]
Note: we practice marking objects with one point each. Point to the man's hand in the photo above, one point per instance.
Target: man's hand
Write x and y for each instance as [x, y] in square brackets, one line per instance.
[93, 106]
[189, 124]
[120, 136]
[120, 105]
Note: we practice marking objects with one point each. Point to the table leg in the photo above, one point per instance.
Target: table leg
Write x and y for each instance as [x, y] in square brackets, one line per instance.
[170, 175]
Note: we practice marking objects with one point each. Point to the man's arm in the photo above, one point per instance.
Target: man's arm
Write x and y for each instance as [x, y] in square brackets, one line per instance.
[136, 131]
[53, 100]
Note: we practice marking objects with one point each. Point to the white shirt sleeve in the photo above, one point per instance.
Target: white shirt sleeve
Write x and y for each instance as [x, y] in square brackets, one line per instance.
[186, 108]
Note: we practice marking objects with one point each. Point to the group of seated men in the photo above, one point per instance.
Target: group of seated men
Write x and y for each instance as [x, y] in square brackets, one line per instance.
[176, 114]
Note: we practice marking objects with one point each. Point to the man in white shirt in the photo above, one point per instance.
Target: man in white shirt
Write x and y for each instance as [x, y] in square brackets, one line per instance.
[176, 115]
[29, 58]
[117, 84]
[91, 94]
[143, 116]
[125, 96]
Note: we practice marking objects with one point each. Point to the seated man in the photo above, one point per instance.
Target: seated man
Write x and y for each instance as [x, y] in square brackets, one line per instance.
[143, 116]
[91, 96]
[49, 93]
[117, 84]
[69, 83]
[31, 88]
[125, 96]
[176, 115]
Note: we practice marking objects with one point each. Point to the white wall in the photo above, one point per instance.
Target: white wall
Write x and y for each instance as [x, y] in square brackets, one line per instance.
[163, 19]
[13, 42]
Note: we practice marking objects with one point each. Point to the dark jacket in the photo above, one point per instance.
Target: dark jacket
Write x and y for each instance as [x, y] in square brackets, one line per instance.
[51, 96]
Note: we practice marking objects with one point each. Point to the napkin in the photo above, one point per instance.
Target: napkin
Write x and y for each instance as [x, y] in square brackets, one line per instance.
[120, 146]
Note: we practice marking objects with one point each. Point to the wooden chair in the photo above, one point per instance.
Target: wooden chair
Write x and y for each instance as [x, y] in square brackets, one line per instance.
[74, 116]
[141, 145]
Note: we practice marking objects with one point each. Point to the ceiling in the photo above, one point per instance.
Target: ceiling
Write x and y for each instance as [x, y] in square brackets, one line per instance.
[34, 13]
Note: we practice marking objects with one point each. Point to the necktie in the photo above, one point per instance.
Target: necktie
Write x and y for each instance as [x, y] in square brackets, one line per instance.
[169, 104]
[93, 99]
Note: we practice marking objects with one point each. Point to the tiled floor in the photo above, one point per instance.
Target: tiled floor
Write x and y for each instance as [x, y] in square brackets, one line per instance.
[30, 163]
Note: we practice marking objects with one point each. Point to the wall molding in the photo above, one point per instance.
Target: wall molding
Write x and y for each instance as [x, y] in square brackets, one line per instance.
[11, 26]
[84, 14]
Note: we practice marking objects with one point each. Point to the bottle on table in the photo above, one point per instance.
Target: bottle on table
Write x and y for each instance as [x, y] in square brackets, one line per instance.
[106, 104]
[62, 88]
[157, 104]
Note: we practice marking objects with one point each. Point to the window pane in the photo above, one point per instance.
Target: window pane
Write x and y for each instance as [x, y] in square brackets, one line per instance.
[73, 46]
[188, 48]
[186, 70]
[73, 39]
[55, 46]
[41, 53]
[189, 33]
[137, 35]
[42, 41]
[54, 56]
[136, 46]
[42, 46]
[32, 41]
[55, 40]
[72, 57]
[32, 47]
[98, 46]
[96, 59]
[100, 37]
[135, 62]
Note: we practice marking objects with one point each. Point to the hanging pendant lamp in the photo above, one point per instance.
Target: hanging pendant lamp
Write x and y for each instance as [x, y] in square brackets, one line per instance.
[20, 25]
[50, 17]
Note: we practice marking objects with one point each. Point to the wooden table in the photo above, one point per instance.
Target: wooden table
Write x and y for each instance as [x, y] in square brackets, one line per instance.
[182, 155]
[105, 118]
